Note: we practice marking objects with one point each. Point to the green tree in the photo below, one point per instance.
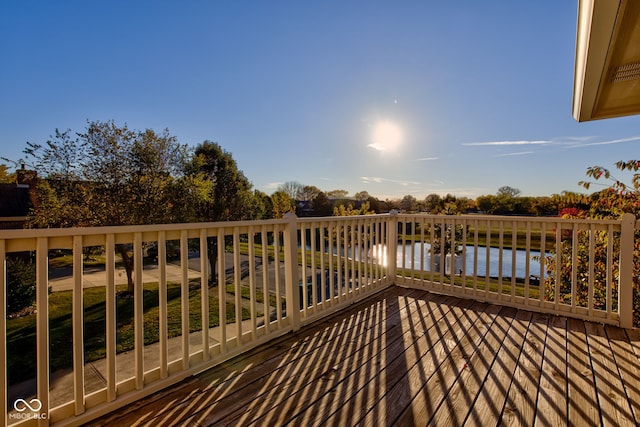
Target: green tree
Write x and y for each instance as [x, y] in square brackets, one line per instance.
[21, 284]
[485, 203]
[349, 210]
[5, 176]
[229, 198]
[294, 189]
[321, 205]
[309, 193]
[337, 194]
[230, 190]
[433, 203]
[108, 175]
[409, 203]
[507, 191]
[282, 204]
[362, 196]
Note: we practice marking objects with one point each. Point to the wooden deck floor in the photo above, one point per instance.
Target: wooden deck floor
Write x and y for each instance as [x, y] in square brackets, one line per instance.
[406, 357]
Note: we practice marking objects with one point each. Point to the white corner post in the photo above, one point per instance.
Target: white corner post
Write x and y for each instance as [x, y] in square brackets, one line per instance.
[392, 245]
[625, 283]
[291, 269]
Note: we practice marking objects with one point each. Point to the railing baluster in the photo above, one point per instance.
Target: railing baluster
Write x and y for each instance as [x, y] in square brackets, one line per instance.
[162, 303]
[265, 278]
[323, 278]
[476, 233]
[304, 303]
[3, 331]
[345, 259]
[330, 249]
[353, 245]
[558, 266]
[138, 311]
[543, 261]
[204, 293]
[463, 270]
[252, 282]
[527, 264]
[452, 253]
[276, 263]
[590, 292]
[487, 270]
[432, 263]
[42, 323]
[110, 314]
[514, 246]
[78, 329]
[609, 274]
[338, 269]
[422, 249]
[500, 257]
[222, 291]
[237, 270]
[184, 297]
[314, 276]
[367, 253]
[574, 269]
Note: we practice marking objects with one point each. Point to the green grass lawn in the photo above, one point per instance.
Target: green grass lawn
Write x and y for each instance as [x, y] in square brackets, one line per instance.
[481, 283]
[21, 332]
[494, 238]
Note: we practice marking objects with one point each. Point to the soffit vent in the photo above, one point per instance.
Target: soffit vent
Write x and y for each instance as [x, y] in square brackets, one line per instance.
[630, 71]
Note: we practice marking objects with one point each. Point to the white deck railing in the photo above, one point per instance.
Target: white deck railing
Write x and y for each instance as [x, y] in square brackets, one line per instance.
[276, 276]
[513, 261]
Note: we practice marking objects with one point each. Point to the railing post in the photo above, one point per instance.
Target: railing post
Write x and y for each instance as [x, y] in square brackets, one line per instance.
[392, 245]
[291, 269]
[625, 280]
[3, 333]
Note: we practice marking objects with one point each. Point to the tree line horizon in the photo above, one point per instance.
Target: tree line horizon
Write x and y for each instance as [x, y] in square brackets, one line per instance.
[112, 175]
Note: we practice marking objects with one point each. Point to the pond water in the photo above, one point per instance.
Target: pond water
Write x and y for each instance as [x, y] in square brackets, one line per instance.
[414, 252]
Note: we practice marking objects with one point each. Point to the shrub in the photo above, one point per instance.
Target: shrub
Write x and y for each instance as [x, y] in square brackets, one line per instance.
[21, 284]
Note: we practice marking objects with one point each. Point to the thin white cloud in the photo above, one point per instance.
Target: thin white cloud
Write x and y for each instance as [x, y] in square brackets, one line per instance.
[380, 180]
[613, 141]
[503, 143]
[424, 159]
[520, 153]
[377, 146]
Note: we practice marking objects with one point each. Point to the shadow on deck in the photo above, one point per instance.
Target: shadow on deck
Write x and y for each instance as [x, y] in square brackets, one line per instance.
[408, 357]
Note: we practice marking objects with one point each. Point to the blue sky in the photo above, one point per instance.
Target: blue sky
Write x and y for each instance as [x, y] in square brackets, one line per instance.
[395, 98]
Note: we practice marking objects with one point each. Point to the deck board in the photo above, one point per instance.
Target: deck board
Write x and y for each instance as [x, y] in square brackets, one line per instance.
[520, 408]
[583, 402]
[408, 357]
[491, 400]
[614, 406]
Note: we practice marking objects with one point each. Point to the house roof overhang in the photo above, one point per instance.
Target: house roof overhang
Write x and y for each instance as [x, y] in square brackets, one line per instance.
[607, 63]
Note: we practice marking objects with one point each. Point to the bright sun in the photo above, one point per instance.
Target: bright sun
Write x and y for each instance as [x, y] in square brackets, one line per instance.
[386, 136]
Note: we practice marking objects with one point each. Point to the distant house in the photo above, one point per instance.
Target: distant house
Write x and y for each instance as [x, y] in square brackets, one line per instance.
[304, 208]
[17, 200]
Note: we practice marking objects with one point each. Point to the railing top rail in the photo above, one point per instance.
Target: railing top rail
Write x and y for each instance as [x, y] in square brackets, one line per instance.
[121, 229]
[511, 218]
[84, 231]
[341, 218]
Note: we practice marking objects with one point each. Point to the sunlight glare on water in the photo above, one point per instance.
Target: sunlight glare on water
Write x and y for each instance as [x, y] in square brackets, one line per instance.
[379, 254]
